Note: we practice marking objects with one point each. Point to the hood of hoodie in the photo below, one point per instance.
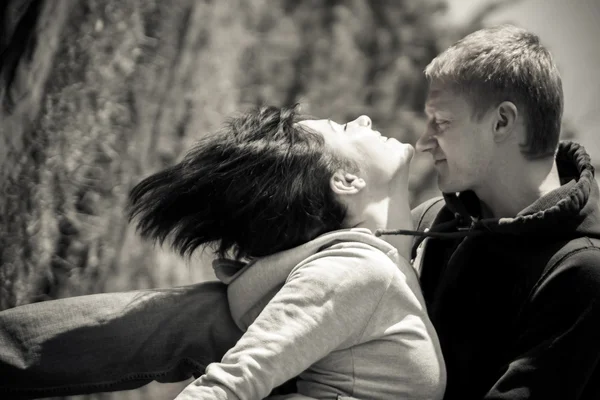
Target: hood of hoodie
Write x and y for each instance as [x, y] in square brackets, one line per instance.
[251, 285]
[572, 209]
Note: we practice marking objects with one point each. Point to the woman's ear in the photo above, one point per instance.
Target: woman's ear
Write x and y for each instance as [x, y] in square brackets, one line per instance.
[343, 183]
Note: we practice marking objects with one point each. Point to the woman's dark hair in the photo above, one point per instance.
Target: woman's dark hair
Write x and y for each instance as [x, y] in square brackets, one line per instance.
[258, 186]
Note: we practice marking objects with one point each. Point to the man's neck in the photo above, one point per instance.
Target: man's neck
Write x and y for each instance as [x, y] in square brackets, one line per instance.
[509, 193]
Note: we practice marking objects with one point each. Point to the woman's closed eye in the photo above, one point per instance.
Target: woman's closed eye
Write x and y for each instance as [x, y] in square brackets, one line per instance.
[336, 127]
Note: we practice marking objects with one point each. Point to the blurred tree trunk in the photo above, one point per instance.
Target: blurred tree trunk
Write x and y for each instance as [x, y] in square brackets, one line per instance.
[53, 170]
[95, 95]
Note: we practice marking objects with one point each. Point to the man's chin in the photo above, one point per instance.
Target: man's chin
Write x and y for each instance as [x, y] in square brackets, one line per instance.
[447, 187]
[443, 184]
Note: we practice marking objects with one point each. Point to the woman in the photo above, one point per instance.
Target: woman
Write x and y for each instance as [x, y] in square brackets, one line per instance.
[289, 205]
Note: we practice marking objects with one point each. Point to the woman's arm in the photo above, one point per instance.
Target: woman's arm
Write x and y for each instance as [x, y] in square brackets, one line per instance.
[324, 305]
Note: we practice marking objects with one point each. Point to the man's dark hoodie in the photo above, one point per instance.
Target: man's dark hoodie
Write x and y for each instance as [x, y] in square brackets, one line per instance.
[516, 301]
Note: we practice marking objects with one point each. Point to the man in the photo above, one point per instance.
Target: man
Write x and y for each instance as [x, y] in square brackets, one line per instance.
[510, 271]
[515, 295]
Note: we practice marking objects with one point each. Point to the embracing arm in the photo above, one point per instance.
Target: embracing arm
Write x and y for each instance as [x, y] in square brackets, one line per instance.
[558, 354]
[113, 341]
[324, 305]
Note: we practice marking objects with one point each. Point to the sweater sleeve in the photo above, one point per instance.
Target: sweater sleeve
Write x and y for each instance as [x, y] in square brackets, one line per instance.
[325, 304]
[558, 353]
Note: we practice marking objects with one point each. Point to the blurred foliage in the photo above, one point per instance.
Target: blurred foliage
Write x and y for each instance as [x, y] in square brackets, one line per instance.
[97, 94]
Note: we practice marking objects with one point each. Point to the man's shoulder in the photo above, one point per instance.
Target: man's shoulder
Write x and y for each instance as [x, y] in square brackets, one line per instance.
[576, 262]
[424, 214]
[583, 250]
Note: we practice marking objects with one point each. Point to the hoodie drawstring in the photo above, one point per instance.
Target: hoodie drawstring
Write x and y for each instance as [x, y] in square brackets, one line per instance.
[445, 230]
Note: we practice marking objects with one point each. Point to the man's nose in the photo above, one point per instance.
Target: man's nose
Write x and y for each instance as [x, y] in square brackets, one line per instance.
[426, 141]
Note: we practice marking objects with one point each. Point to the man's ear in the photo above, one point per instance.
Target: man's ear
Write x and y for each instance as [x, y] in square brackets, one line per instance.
[505, 119]
[345, 183]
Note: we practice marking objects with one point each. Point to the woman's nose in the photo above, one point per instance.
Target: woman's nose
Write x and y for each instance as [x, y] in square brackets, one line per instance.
[364, 120]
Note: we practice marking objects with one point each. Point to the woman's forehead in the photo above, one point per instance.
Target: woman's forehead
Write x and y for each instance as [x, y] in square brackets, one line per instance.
[317, 124]
[305, 117]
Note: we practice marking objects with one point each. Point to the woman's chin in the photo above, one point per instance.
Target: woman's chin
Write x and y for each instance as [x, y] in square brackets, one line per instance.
[405, 153]
[409, 152]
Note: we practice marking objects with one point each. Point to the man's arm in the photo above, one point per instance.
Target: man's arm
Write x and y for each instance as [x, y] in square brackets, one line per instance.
[113, 341]
[558, 353]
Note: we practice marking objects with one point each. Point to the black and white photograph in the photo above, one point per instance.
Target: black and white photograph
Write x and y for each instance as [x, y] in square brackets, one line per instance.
[299, 199]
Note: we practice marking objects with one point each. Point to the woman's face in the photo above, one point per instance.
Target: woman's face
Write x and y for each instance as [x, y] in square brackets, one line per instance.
[380, 159]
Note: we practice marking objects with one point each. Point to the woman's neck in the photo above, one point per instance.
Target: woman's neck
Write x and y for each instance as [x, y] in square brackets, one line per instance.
[391, 212]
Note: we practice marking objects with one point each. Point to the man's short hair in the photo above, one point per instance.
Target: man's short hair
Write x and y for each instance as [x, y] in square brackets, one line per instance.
[506, 63]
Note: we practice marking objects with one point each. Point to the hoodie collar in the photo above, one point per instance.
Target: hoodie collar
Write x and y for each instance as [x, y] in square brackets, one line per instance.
[227, 270]
[571, 207]
[251, 284]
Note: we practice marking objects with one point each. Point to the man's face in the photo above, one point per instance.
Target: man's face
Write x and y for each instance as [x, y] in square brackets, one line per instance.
[460, 144]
